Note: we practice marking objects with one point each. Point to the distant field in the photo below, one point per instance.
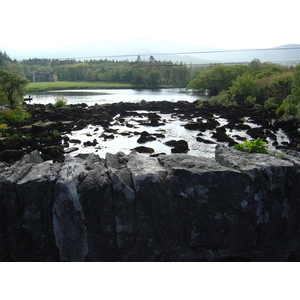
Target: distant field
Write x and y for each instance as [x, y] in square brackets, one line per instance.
[34, 87]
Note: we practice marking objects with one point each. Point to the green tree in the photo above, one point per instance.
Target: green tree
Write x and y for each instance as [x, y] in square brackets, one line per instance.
[153, 78]
[139, 77]
[243, 86]
[278, 86]
[12, 88]
[291, 104]
[217, 78]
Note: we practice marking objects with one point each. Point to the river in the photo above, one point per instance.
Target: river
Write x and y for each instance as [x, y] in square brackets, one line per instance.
[104, 96]
[173, 128]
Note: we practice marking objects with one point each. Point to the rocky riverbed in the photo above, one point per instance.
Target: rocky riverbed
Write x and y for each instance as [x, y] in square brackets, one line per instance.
[150, 128]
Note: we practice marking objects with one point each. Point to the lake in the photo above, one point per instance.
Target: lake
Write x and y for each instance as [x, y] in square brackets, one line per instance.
[105, 96]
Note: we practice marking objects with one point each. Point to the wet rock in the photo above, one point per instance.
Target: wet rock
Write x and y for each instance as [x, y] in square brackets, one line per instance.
[221, 136]
[70, 150]
[43, 126]
[107, 136]
[145, 137]
[170, 143]
[159, 135]
[180, 146]
[11, 155]
[242, 127]
[90, 144]
[202, 126]
[8, 143]
[75, 141]
[202, 140]
[143, 149]
[53, 153]
[257, 133]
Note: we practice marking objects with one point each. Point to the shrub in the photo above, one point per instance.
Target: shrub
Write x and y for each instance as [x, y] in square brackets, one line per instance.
[270, 103]
[223, 98]
[3, 128]
[60, 102]
[250, 100]
[257, 146]
[55, 132]
[280, 110]
[15, 116]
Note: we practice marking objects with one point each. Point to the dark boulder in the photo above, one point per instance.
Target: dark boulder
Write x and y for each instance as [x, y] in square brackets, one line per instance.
[53, 153]
[180, 146]
[142, 149]
[11, 155]
[202, 126]
[90, 144]
[145, 137]
[257, 132]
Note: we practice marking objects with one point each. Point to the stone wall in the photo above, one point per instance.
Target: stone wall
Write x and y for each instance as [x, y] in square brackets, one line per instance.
[135, 208]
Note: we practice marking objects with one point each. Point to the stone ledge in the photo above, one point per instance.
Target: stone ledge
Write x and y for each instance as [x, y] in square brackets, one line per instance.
[133, 208]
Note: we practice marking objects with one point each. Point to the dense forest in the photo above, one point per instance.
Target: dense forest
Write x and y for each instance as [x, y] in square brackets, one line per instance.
[139, 73]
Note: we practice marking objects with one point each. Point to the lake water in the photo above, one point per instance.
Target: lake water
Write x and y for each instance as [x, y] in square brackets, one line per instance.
[104, 96]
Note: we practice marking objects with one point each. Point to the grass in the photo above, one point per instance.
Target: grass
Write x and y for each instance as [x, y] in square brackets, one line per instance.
[34, 87]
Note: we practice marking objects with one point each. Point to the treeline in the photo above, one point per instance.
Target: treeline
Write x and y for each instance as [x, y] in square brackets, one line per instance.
[139, 73]
[261, 85]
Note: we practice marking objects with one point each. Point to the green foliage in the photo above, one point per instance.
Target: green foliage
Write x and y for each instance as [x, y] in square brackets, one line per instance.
[55, 132]
[15, 116]
[243, 86]
[271, 103]
[3, 129]
[216, 79]
[291, 105]
[153, 78]
[223, 98]
[250, 100]
[257, 146]
[11, 88]
[259, 85]
[60, 102]
[125, 72]
[278, 86]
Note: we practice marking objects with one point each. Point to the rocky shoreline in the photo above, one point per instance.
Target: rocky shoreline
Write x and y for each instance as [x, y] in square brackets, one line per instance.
[46, 130]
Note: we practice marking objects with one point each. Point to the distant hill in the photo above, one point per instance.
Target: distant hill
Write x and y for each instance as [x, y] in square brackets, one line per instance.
[161, 50]
[284, 53]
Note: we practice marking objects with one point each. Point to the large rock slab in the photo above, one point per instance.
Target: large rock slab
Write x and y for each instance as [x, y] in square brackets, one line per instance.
[134, 208]
[273, 194]
[206, 204]
[68, 217]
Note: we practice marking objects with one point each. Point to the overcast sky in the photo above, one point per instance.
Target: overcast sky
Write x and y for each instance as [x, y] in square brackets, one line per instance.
[232, 24]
